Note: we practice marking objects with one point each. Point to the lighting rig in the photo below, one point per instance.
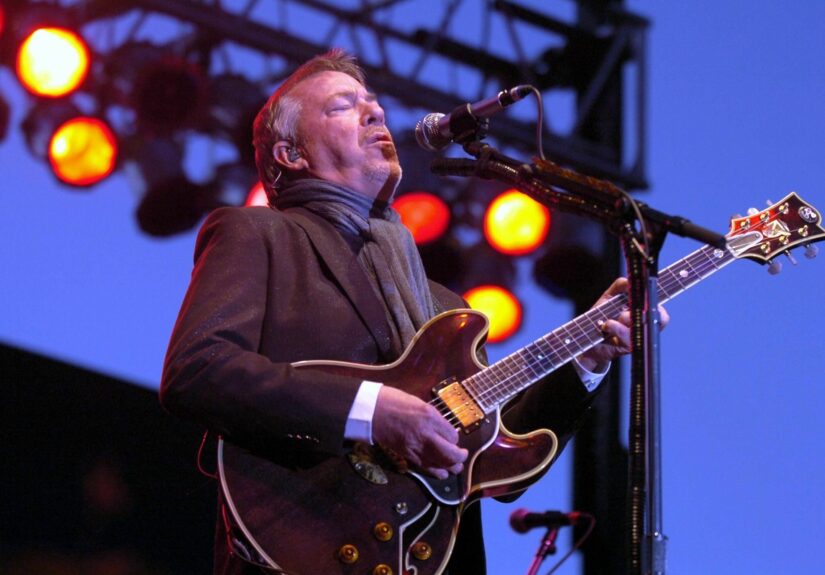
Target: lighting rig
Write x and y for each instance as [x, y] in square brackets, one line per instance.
[128, 86]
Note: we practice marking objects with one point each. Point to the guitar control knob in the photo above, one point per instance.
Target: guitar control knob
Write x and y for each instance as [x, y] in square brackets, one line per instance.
[382, 569]
[422, 551]
[348, 554]
[811, 251]
[382, 531]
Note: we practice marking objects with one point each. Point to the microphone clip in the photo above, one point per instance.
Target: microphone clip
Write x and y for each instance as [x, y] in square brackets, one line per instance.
[466, 127]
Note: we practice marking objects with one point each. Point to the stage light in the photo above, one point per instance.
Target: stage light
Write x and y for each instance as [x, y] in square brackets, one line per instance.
[83, 151]
[500, 306]
[483, 265]
[257, 196]
[173, 206]
[572, 272]
[171, 202]
[573, 266]
[424, 214]
[444, 262]
[234, 102]
[515, 224]
[52, 62]
[169, 94]
[166, 91]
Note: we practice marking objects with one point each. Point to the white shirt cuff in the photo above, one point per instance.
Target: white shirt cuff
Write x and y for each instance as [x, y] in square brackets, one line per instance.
[590, 379]
[359, 420]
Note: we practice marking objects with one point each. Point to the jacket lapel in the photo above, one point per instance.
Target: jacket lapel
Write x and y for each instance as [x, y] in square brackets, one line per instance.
[350, 275]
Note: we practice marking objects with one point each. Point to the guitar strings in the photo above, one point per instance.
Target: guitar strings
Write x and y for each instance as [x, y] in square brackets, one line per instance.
[669, 280]
[671, 284]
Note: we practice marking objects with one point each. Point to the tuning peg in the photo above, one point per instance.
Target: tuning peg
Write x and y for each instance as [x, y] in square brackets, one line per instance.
[790, 257]
[811, 250]
[768, 203]
[774, 267]
[752, 211]
[736, 216]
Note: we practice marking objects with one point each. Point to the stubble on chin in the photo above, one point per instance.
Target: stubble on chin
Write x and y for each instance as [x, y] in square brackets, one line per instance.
[386, 172]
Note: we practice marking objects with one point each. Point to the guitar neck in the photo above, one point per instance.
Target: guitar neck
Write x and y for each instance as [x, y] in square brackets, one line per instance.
[501, 381]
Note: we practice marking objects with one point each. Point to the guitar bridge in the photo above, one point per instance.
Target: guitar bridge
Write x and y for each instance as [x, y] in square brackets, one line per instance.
[463, 407]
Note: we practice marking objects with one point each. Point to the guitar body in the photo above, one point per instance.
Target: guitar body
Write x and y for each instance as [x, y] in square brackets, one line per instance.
[307, 515]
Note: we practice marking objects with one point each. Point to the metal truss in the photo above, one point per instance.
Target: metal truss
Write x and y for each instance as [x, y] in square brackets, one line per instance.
[433, 55]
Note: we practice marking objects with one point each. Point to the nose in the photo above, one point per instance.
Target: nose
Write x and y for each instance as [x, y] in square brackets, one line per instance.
[373, 113]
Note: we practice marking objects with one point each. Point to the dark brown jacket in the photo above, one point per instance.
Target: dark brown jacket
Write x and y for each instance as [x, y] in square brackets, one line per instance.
[271, 288]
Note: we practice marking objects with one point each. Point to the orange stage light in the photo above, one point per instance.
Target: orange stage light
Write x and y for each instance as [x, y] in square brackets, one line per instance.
[52, 62]
[257, 196]
[515, 224]
[500, 306]
[425, 215]
[83, 151]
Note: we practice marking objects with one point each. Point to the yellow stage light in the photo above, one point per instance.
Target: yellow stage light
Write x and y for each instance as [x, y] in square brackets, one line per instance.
[500, 306]
[52, 62]
[515, 224]
[83, 151]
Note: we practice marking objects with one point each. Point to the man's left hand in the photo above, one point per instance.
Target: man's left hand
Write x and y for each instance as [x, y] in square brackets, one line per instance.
[616, 333]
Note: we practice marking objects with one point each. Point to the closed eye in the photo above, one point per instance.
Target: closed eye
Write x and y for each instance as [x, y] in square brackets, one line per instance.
[341, 102]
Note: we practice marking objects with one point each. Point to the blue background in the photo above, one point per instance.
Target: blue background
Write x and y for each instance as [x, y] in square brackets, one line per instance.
[735, 94]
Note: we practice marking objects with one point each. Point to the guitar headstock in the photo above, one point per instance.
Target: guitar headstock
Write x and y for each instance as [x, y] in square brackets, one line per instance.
[788, 223]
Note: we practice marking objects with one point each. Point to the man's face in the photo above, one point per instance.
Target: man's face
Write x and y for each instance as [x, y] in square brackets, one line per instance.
[343, 137]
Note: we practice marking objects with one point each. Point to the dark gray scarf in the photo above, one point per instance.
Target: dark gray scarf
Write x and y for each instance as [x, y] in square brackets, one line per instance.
[389, 254]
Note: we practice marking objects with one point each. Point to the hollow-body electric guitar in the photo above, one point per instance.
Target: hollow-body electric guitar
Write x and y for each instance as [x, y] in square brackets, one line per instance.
[365, 513]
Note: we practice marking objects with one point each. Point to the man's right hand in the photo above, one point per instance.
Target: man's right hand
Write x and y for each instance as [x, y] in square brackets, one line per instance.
[416, 431]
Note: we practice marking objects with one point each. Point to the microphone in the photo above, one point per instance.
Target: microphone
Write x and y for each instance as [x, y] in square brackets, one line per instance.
[523, 521]
[436, 131]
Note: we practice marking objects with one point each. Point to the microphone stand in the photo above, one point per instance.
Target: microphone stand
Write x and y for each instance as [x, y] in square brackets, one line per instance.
[546, 547]
[642, 231]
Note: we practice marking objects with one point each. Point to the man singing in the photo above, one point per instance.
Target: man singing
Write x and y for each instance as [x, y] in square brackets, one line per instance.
[329, 273]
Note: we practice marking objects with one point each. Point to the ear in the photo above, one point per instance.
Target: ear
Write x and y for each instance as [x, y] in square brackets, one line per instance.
[289, 156]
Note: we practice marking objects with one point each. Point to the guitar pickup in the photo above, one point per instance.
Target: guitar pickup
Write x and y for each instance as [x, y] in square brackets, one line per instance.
[463, 407]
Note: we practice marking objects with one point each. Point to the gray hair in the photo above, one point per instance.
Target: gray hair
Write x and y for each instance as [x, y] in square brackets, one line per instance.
[278, 119]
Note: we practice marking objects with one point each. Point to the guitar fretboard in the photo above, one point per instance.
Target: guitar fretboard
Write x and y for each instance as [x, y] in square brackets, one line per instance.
[500, 382]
